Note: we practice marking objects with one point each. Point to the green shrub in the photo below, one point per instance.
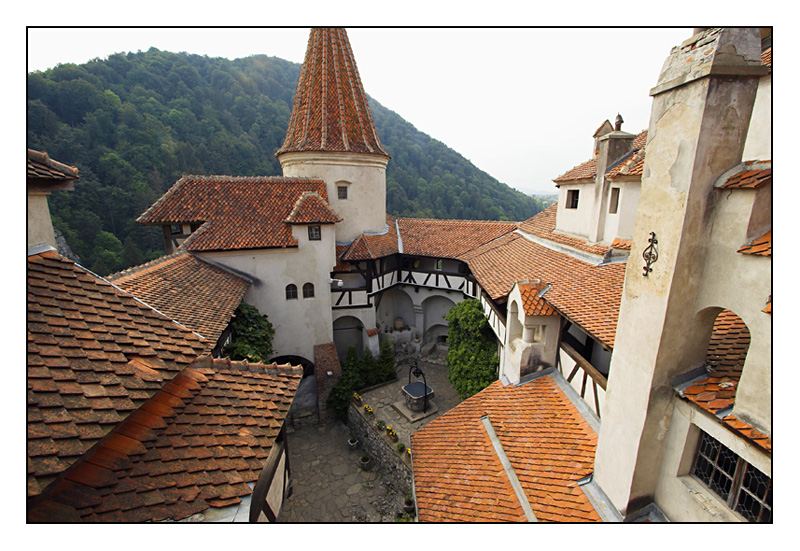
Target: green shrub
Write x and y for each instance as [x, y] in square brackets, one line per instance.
[472, 349]
[252, 335]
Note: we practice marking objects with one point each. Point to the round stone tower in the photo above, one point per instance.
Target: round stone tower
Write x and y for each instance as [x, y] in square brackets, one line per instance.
[331, 136]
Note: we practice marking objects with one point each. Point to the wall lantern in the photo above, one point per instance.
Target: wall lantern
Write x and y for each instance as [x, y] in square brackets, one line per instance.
[650, 254]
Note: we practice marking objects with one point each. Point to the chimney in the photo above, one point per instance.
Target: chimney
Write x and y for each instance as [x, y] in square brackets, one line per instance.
[618, 123]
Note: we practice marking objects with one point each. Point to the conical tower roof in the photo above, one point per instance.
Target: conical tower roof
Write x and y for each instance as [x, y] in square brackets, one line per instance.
[330, 110]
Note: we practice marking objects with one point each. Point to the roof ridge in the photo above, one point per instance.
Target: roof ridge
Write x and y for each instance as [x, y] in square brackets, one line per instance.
[43, 158]
[138, 269]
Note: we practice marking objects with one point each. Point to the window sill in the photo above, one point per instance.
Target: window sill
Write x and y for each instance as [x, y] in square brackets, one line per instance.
[709, 501]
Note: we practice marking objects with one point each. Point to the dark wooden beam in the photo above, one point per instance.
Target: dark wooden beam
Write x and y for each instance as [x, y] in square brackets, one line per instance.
[584, 364]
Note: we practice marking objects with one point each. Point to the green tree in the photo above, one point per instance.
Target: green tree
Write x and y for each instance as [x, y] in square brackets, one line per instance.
[472, 349]
[252, 335]
[386, 368]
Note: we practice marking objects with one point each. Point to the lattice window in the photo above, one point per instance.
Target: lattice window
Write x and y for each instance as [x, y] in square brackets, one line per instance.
[744, 488]
[291, 291]
[314, 233]
[308, 290]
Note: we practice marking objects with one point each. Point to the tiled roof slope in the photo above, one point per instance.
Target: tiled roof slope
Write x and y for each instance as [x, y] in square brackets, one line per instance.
[199, 295]
[761, 246]
[458, 476]
[543, 225]
[239, 212]
[310, 208]
[532, 303]
[749, 178]
[588, 295]
[448, 238]
[94, 354]
[766, 57]
[42, 167]
[588, 169]
[330, 110]
[195, 444]
[367, 247]
[727, 349]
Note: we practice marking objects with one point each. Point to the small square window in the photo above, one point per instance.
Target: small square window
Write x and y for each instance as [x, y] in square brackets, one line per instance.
[314, 233]
[342, 192]
[572, 198]
[613, 203]
[439, 263]
[176, 229]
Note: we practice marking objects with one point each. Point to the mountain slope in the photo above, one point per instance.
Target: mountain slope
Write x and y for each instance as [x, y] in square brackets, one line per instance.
[134, 123]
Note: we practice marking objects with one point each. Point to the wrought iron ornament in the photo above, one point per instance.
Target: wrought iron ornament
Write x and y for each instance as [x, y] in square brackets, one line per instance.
[650, 254]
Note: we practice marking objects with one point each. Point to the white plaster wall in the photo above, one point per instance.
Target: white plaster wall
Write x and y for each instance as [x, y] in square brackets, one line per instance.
[40, 227]
[681, 496]
[576, 221]
[759, 136]
[742, 283]
[364, 210]
[621, 224]
[301, 323]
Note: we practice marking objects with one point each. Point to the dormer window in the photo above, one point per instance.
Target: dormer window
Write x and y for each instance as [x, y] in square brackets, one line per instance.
[613, 203]
[572, 198]
[175, 229]
[314, 233]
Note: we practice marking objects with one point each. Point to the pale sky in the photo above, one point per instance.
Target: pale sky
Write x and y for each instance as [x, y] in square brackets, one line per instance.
[521, 104]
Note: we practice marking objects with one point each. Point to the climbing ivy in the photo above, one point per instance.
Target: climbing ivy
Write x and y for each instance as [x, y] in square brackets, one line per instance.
[252, 335]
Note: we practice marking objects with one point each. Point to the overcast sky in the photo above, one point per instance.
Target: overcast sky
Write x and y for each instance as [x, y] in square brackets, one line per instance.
[521, 104]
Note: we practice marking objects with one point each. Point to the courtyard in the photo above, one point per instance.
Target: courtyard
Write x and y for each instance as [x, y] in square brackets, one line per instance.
[327, 483]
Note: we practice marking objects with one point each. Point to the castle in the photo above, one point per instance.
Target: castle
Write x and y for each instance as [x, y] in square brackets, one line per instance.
[569, 293]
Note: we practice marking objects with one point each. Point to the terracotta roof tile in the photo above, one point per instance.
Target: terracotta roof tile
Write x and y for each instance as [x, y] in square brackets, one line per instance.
[532, 303]
[310, 208]
[236, 212]
[550, 447]
[588, 169]
[766, 57]
[42, 167]
[138, 469]
[330, 110]
[79, 397]
[195, 293]
[761, 246]
[752, 176]
[367, 246]
[586, 294]
[448, 238]
[543, 225]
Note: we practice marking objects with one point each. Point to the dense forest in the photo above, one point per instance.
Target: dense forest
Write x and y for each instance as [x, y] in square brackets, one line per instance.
[134, 123]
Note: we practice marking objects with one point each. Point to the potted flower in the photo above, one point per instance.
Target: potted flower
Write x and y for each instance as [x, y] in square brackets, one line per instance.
[401, 447]
[352, 442]
[364, 462]
[380, 424]
[392, 434]
[368, 410]
[356, 398]
[408, 504]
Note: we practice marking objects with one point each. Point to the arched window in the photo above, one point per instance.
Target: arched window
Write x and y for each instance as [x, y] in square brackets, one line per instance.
[291, 291]
[308, 290]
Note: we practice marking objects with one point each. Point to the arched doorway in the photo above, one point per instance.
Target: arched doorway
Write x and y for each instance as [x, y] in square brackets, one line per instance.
[347, 332]
[434, 310]
[395, 303]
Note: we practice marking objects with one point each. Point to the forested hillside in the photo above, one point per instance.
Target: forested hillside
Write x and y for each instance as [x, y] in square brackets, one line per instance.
[134, 123]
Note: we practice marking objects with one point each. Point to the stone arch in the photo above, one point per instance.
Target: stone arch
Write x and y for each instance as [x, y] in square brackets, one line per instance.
[347, 332]
[395, 303]
[728, 343]
[434, 309]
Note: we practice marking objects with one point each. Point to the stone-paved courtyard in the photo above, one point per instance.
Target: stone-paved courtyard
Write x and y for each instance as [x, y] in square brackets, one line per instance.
[328, 485]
